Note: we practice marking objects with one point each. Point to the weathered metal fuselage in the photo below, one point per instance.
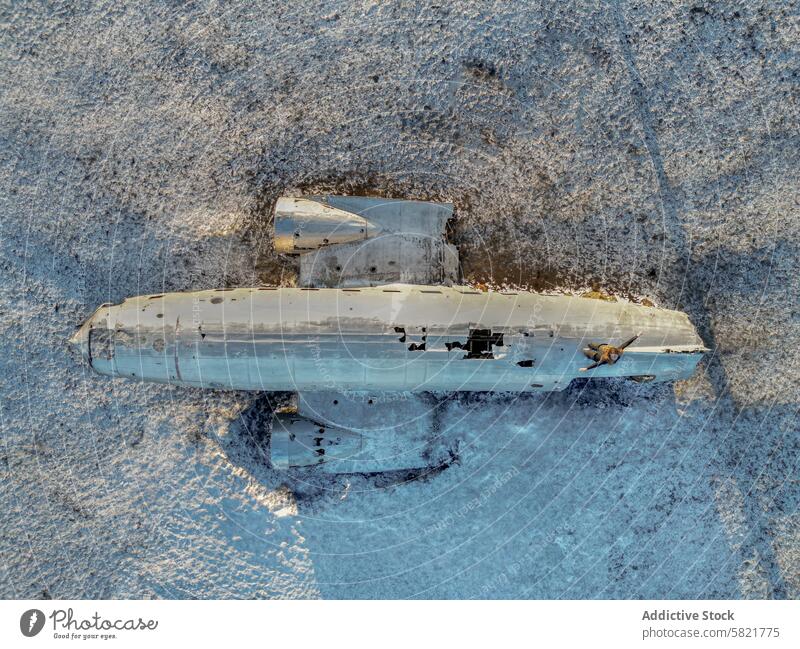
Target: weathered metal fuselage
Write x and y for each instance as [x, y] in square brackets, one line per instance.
[395, 337]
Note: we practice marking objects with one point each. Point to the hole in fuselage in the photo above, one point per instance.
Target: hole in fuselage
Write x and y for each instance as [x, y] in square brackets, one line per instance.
[479, 343]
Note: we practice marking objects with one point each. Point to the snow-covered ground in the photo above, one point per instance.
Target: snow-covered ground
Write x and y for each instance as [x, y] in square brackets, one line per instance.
[647, 149]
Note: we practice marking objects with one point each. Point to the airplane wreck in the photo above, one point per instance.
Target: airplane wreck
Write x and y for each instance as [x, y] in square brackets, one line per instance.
[378, 324]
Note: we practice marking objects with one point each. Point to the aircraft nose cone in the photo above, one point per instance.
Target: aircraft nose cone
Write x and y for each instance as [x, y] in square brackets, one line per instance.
[79, 342]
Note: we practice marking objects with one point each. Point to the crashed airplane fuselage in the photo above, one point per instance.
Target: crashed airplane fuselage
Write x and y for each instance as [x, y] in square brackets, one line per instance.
[392, 337]
[379, 311]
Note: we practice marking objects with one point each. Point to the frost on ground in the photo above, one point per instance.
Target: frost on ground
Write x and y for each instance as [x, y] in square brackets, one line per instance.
[643, 150]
